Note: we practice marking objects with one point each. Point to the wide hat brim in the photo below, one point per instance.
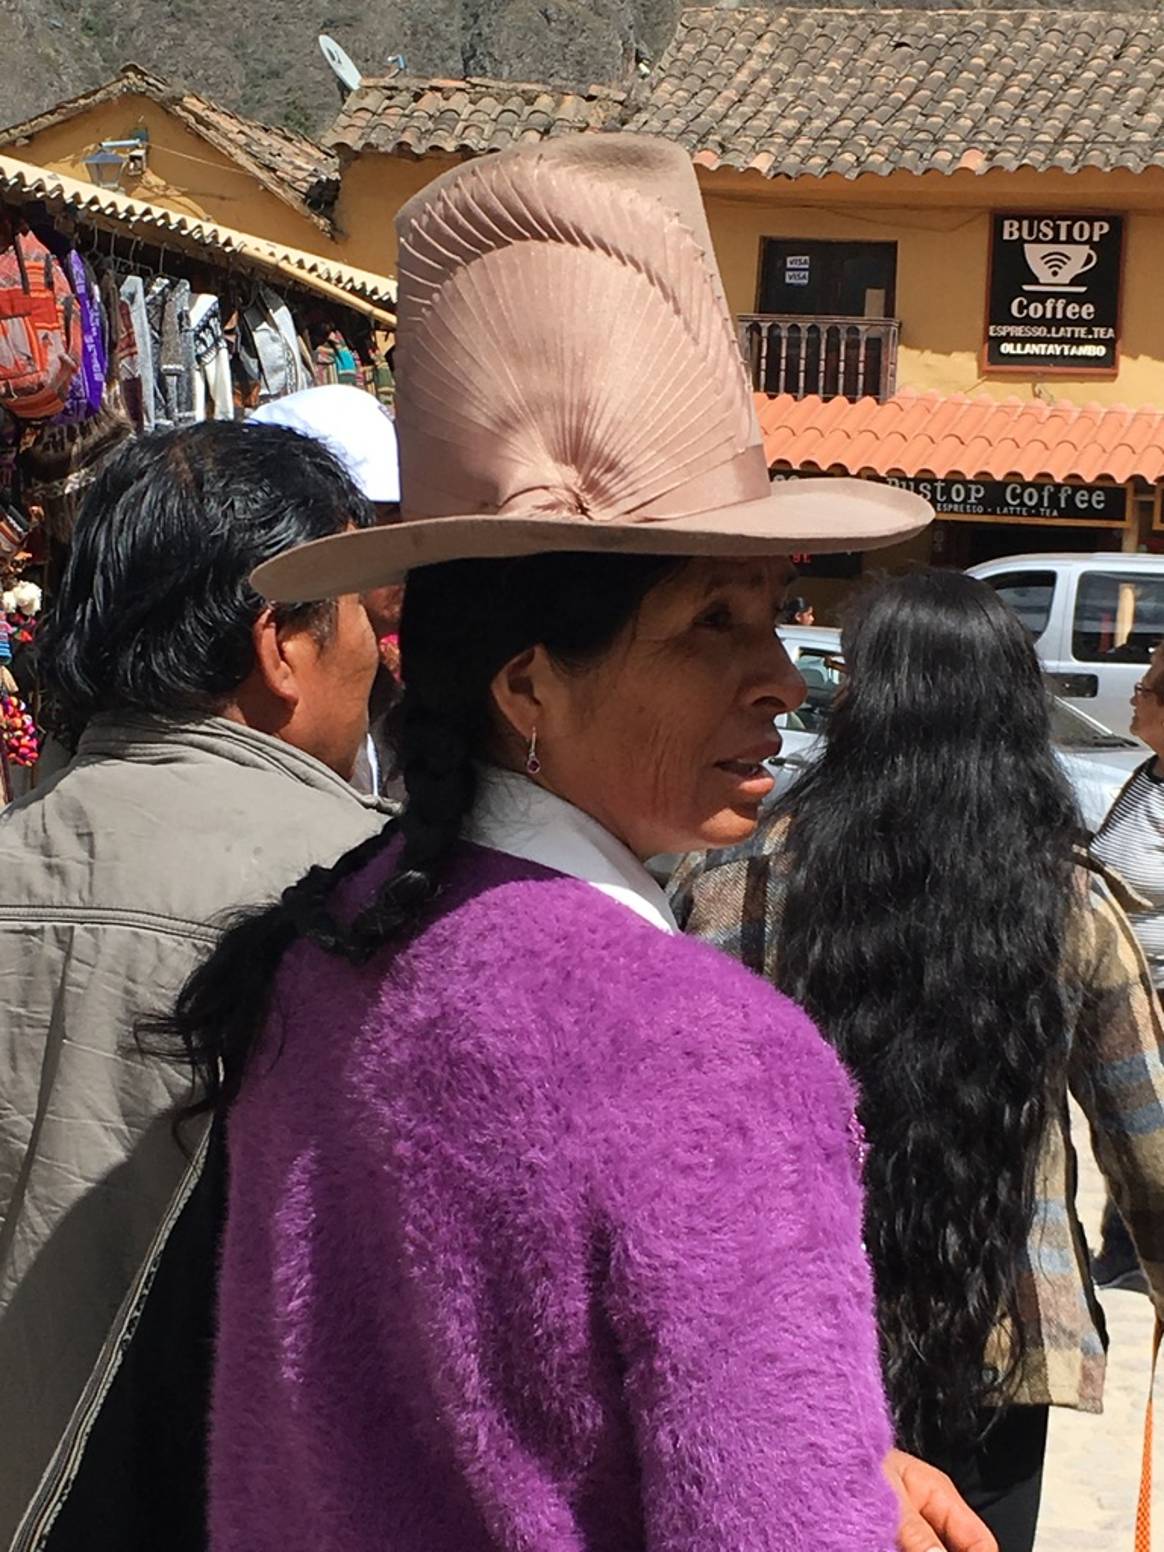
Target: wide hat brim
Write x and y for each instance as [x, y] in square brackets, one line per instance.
[814, 516]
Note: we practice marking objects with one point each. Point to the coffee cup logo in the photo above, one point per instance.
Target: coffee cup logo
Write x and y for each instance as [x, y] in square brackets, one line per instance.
[1056, 265]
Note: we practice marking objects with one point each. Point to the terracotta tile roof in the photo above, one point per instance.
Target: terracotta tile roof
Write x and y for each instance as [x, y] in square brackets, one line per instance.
[953, 434]
[803, 93]
[794, 92]
[108, 210]
[295, 168]
[411, 115]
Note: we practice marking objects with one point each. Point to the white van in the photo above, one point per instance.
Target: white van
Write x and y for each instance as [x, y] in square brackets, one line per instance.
[1095, 619]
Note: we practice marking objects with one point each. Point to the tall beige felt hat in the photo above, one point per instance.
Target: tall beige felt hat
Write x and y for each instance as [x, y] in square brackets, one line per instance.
[569, 379]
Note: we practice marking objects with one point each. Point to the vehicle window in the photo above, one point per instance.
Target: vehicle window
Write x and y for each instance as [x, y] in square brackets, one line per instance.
[821, 676]
[1119, 617]
[1029, 594]
[1070, 729]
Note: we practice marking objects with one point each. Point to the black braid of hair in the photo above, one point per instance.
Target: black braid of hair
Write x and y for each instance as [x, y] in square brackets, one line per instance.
[440, 780]
[252, 946]
[462, 622]
[436, 761]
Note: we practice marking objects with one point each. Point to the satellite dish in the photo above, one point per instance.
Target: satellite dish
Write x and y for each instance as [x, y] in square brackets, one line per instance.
[349, 77]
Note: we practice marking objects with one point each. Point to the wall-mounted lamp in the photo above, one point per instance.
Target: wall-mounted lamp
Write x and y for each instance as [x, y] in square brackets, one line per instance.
[114, 159]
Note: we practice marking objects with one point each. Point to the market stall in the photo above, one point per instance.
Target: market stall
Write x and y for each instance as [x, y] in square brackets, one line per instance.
[119, 317]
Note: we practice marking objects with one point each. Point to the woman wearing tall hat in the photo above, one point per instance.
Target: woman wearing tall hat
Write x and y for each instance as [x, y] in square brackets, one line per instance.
[543, 1227]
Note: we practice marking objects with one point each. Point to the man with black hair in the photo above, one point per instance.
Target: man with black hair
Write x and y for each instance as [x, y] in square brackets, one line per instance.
[215, 738]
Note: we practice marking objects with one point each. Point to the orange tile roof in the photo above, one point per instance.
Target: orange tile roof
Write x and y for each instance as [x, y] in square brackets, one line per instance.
[979, 438]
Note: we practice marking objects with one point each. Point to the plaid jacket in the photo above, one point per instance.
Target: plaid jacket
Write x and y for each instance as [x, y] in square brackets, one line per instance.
[734, 899]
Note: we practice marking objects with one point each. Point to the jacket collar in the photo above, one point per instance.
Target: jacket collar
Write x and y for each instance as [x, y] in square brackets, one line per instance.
[159, 741]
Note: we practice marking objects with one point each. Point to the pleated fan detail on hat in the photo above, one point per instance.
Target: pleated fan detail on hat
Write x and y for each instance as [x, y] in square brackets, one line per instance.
[580, 360]
[569, 378]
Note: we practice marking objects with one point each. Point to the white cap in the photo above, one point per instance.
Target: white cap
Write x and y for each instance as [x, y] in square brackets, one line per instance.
[353, 425]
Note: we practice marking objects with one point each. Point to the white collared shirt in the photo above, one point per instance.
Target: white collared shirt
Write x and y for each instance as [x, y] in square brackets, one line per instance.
[514, 815]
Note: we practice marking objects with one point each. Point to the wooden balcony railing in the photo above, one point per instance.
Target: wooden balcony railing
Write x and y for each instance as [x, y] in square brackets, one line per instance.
[833, 357]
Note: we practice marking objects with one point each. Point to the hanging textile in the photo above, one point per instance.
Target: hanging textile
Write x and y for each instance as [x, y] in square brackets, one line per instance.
[325, 364]
[137, 363]
[337, 362]
[40, 340]
[269, 348]
[181, 383]
[62, 461]
[213, 393]
[166, 349]
[383, 382]
[121, 345]
[9, 447]
[87, 389]
[14, 529]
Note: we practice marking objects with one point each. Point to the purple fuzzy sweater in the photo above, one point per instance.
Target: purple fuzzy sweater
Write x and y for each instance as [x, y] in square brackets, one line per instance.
[544, 1236]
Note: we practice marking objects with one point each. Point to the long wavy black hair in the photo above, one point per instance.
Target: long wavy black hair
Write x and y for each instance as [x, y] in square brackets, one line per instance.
[461, 623]
[928, 903]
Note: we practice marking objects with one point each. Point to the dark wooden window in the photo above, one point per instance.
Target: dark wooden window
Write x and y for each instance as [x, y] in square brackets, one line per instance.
[826, 322]
[828, 279]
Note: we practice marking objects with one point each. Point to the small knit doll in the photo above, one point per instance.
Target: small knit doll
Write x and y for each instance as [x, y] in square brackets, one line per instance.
[19, 607]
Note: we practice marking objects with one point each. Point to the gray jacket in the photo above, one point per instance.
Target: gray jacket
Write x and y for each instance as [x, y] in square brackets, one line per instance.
[113, 877]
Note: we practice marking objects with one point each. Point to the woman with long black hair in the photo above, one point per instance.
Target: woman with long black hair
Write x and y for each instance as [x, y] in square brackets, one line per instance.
[922, 894]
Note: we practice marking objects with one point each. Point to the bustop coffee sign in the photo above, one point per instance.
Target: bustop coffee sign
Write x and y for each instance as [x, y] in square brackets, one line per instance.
[1054, 292]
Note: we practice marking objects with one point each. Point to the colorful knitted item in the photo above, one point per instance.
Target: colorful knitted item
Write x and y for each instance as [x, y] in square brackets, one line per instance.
[18, 730]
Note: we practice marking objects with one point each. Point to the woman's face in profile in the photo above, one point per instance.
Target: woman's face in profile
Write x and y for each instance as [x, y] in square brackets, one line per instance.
[1148, 703]
[662, 741]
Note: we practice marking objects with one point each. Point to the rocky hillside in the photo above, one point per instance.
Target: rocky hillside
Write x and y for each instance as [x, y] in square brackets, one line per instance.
[262, 58]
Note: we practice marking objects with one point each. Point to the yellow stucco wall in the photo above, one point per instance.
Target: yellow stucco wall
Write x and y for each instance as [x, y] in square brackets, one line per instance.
[184, 173]
[372, 190]
[941, 225]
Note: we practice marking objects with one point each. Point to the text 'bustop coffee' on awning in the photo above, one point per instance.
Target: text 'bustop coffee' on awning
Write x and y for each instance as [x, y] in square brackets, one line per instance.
[976, 459]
